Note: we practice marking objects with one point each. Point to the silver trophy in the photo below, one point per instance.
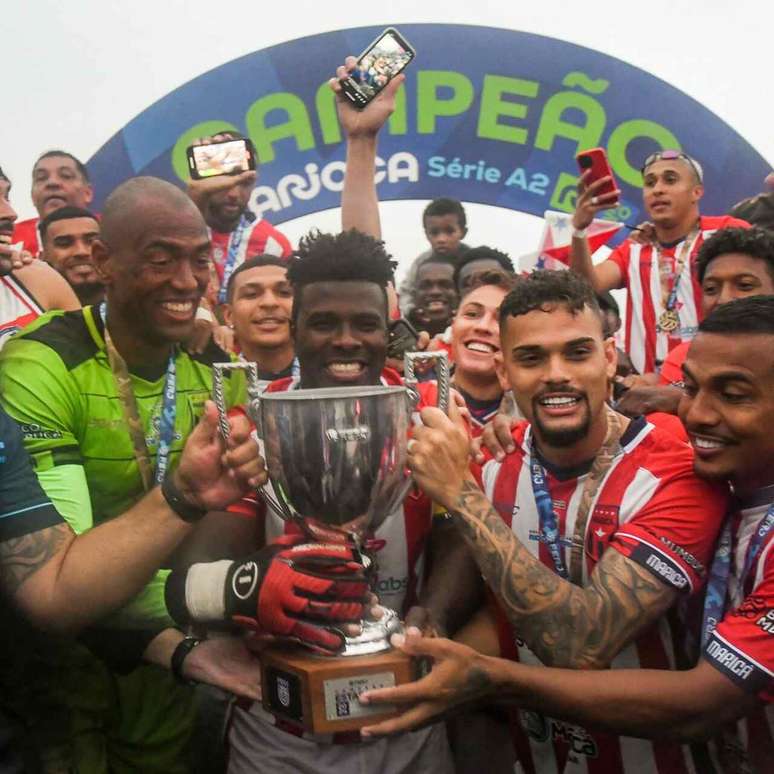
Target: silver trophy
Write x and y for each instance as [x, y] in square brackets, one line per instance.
[336, 459]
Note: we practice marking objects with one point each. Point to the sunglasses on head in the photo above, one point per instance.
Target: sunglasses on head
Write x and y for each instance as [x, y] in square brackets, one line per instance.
[671, 155]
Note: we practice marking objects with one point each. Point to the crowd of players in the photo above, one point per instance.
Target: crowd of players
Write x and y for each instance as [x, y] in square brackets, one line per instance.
[582, 507]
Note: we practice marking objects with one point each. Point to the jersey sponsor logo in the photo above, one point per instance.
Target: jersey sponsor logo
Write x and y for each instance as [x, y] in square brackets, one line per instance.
[766, 622]
[729, 660]
[667, 571]
[37, 432]
[245, 580]
[543, 729]
[661, 565]
[541, 538]
[686, 556]
[391, 585]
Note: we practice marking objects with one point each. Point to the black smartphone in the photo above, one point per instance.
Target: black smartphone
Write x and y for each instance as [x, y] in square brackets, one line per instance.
[403, 338]
[227, 157]
[388, 55]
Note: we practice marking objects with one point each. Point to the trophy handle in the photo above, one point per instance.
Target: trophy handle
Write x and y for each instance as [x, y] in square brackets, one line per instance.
[253, 411]
[441, 359]
[253, 393]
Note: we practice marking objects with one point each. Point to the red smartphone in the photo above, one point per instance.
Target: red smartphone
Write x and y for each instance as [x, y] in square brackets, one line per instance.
[376, 67]
[227, 157]
[595, 159]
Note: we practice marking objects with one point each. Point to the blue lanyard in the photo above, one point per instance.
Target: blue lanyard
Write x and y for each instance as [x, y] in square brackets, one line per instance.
[168, 409]
[720, 572]
[234, 243]
[549, 522]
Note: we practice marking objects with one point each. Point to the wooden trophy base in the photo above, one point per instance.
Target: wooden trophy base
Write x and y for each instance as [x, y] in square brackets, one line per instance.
[320, 692]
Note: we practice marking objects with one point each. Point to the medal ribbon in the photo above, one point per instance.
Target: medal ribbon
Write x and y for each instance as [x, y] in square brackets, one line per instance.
[669, 300]
[549, 521]
[234, 243]
[720, 572]
[132, 414]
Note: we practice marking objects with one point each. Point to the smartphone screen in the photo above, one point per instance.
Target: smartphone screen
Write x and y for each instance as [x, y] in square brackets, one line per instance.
[220, 158]
[376, 67]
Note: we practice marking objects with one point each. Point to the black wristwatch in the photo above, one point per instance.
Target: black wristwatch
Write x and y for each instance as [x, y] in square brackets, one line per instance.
[184, 647]
[186, 511]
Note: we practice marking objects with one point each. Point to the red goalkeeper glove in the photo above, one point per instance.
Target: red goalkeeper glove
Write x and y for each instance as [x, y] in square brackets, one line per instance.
[291, 588]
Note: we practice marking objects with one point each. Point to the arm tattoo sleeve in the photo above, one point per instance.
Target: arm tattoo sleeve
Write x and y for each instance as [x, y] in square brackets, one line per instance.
[564, 625]
[21, 557]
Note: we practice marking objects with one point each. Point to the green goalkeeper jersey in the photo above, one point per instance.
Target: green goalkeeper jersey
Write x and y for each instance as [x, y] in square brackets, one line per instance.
[55, 380]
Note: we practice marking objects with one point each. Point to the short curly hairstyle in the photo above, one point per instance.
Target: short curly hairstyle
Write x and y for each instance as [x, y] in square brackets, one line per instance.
[543, 288]
[755, 242]
[350, 256]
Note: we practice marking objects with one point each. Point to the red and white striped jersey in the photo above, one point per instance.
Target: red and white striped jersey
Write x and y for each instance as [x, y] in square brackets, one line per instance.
[652, 509]
[18, 307]
[646, 345]
[742, 646]
[259, 238]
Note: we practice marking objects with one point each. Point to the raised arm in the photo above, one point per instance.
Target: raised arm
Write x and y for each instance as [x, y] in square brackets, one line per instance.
[58, 579]
[606, 275]
[359, 203]
[49, 288]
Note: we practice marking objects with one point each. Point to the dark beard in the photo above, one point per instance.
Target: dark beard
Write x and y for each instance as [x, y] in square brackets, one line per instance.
[563, 438]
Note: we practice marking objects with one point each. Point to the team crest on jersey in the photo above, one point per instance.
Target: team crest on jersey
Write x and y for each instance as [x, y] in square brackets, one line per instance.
[603, 524]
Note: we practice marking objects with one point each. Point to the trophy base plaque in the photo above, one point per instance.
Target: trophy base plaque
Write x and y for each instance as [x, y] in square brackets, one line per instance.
[320, 692]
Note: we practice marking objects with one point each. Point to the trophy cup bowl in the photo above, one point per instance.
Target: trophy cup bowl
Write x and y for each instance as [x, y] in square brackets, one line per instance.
[337, 464]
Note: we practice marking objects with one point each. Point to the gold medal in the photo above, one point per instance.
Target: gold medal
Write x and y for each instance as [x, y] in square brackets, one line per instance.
[668, 321]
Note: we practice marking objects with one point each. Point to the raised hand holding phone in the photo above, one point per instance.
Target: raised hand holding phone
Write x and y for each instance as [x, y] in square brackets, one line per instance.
[375, 68]
[597, 187]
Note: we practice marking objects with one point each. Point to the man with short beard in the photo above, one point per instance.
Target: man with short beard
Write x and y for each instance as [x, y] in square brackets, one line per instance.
[59, 179]
[588, 531]
[67, 235]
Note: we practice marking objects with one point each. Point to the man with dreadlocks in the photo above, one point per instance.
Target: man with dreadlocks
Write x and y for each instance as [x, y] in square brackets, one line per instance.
[339, 324]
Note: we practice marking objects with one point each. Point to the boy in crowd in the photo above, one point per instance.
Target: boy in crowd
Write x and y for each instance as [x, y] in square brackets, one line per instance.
[445, 225]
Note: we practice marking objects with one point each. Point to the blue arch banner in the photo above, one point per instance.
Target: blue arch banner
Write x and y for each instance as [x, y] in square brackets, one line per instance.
[486, 115]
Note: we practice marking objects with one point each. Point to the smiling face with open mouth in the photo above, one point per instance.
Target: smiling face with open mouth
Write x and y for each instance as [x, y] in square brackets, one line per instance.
[558, 366]
[341, 333]
[476, 334]
[728, 407]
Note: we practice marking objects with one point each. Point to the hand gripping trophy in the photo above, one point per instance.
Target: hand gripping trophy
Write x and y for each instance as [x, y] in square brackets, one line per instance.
[336, 459]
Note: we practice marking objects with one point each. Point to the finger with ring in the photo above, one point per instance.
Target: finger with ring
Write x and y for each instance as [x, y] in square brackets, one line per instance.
[410, 445]
[594, 200]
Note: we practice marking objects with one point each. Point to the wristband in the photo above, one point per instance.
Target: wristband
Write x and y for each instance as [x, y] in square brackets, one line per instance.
[187, 512]
[184, 647]
[579, 233]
